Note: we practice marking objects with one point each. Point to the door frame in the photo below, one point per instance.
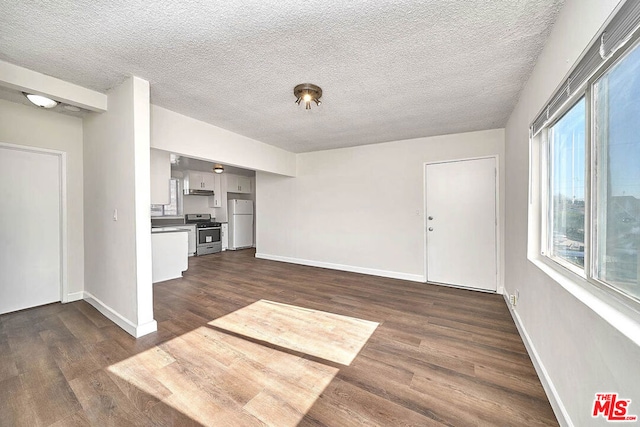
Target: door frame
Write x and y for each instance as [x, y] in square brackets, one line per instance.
[62, 226]
[496, 157]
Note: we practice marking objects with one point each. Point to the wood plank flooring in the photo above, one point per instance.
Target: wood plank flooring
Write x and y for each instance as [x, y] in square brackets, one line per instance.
[439, 357]
[329, 336]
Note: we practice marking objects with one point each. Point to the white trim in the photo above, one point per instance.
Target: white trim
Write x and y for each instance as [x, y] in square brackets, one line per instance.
[499, 263]
[342, 267]
[135, 330]
[110, 313]
[552, 394]
[498, 228]
[62, 226]
[64, 248]
[146, 328]
[75, 296]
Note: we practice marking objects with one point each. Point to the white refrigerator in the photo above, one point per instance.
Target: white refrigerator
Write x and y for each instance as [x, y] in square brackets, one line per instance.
[240, 223]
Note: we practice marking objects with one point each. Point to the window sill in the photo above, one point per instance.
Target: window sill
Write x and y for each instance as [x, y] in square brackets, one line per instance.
[619, 314]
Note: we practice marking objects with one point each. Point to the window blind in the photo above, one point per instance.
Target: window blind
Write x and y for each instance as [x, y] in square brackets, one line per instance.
[615, 35]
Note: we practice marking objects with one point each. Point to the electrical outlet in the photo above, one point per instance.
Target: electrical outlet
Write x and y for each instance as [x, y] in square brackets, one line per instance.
[512, 300]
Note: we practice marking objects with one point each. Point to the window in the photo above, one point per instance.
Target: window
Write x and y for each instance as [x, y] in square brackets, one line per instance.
[592, 180]
[566, 180]
[174, 207]
[617, 174]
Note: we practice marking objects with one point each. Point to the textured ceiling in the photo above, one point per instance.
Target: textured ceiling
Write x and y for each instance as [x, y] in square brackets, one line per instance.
[389, 70]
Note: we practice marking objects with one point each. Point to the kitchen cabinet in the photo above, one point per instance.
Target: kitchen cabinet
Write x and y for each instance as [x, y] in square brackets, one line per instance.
[160, 177]
[208, 181]
[238, 184]
[198, 181]
[216, 200]
[224, 236]
[191, 231]
[168, 253]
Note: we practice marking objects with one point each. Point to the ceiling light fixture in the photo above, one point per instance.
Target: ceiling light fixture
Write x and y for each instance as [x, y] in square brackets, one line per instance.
[218, 168]
[307, 92]
[40, 101]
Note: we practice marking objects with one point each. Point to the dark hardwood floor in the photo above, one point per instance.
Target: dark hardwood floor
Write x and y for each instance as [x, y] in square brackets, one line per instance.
[439, 357]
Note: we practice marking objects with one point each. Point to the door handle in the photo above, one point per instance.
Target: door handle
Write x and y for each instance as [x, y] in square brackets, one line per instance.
[430, 228]
[430, 218]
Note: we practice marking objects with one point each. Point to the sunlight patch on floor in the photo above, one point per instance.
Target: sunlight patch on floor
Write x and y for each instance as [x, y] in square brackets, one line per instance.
[317, 333]
[220, 379]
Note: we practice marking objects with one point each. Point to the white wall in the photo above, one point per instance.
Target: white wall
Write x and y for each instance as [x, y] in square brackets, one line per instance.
[199, 205]
[579, 353]
[25, 125]
[117, 171]
[184, 135]
[360, 208]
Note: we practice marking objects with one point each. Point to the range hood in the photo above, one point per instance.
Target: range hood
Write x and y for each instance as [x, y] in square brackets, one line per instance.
[194, 192]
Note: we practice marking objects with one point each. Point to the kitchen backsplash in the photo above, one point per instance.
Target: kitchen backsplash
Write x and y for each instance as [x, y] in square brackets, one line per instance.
[199, 205]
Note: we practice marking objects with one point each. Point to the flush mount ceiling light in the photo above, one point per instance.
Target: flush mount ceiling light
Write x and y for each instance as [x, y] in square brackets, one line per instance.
[40, 101]
[307, 92]
[218, 168]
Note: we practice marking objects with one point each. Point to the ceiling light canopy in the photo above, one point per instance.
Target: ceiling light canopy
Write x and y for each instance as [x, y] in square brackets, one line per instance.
[307, 92]
[41, 101]
[218, 168]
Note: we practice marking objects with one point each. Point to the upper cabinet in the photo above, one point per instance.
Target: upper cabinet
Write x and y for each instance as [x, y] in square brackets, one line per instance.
[160, 177]
[216, 200]
[202, 181]
[209, 181]
[238, 184]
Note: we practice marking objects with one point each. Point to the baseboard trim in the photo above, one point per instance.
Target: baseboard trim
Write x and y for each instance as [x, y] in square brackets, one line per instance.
[75, 296]
[552, 394]
[134, 330]
[146, 328]
[343, 267]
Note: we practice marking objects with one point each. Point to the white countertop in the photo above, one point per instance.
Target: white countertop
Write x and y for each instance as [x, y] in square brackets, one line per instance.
[168, 230]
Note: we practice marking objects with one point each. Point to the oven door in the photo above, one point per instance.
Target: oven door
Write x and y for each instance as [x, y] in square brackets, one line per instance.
[207, 236]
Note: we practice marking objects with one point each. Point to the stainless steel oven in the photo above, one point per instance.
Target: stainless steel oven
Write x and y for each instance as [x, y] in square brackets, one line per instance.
[208, 234]
[209, 240]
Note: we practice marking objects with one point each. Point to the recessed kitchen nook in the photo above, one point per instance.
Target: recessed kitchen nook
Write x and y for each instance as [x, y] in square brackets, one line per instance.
[198, 208]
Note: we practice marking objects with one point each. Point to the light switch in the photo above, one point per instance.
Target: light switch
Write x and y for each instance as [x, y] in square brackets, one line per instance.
[115, 214]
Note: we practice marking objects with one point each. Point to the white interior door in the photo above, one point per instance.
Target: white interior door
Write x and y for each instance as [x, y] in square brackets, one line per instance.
[30, 239]
[461, 223]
